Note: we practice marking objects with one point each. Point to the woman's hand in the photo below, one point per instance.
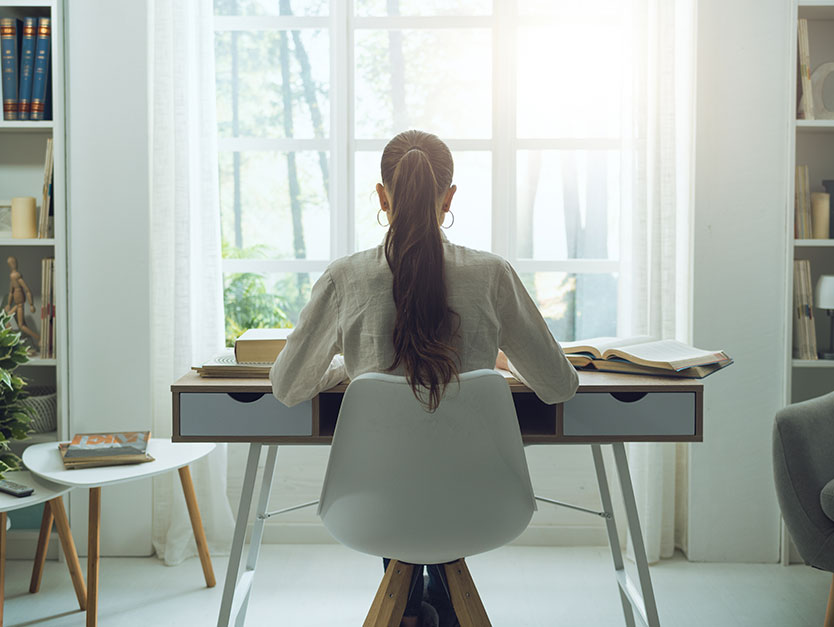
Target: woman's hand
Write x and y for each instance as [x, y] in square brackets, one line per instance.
[501, 361]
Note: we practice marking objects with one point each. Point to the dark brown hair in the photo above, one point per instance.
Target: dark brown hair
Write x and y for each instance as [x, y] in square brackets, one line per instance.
[417, 171]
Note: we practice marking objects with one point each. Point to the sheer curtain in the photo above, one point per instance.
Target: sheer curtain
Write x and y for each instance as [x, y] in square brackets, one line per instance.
[656, 278]
[186, 278]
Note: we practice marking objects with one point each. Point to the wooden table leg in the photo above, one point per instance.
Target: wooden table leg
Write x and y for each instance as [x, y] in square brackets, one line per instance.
[197, 525]
[56, 506]
[43, 545]
[829, 611]
[93, 523]
[3, 516]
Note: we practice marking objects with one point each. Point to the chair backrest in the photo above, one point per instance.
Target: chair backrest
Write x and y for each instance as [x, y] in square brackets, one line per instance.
[424, 487]
[803, 462]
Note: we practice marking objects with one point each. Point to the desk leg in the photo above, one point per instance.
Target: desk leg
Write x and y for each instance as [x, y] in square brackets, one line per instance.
[197, 525]
[646, 606]
[93, 550]
[239, 535]
[56, 506]
[257, 532]
[43, 545]
[3, 518]
[613, 536]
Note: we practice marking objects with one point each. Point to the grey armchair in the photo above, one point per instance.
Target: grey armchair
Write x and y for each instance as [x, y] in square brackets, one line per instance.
[803, 468]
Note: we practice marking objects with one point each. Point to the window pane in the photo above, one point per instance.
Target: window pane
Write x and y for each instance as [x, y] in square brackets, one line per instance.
[570, 80]
[253, 300]
[271, 7]
[568, 204]
[252, 92]
[585, 10]
[471, 205]
[434, 80]
[274, 205]
[423, 7]
[575, 306]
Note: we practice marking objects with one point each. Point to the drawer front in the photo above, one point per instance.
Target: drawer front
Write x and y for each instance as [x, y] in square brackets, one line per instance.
[655, 414]
[219, 414]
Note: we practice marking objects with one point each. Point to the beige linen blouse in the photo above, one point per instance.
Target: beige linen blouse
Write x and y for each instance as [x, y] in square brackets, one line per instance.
[351, 311]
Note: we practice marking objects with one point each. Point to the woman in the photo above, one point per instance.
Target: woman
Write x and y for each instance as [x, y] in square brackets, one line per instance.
[419, 306]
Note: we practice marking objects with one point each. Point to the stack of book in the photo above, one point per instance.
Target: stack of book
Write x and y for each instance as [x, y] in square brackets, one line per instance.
[253, 355]
[47, 341]
[46, 193]
[805, 110]
[88, 450]
[24, 53]
[644, 355]
[802, 204]
[804, 329]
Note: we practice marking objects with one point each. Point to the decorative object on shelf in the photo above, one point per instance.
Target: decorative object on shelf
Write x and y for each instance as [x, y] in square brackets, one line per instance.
[824, 297]
[19, 295]
[15, 417]
[43, 402]
[820, 207]
[24, 217]
[828, 184]
[818, 78]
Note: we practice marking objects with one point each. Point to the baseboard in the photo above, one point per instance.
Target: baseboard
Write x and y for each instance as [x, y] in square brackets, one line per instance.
[21, 544]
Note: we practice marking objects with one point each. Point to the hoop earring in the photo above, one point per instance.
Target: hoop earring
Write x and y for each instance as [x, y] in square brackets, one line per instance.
[443, 226]
[378, 221]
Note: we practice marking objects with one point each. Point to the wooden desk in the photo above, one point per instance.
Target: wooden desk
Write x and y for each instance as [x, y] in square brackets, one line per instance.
[609, 408]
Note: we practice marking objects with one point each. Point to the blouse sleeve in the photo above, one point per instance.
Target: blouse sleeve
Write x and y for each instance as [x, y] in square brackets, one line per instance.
[310, 362]
[535, 358]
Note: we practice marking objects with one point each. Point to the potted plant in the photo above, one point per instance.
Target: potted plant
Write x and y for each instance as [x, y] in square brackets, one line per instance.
[15, 416]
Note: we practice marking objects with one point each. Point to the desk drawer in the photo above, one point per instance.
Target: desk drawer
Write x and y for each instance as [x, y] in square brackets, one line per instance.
[219, 414]
[657, 414]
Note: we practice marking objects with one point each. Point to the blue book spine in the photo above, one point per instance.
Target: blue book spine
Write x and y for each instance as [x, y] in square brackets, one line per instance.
[9, 58]
[27, 67]
[40, 80]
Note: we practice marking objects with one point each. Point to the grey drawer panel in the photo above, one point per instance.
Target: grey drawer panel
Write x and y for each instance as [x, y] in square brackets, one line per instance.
[656, 414]
[216, 413]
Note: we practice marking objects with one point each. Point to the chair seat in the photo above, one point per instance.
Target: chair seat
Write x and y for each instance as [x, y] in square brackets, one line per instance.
[827, 499]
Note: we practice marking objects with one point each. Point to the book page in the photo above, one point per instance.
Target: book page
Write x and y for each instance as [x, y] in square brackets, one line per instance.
[601, 344]
[669, 352]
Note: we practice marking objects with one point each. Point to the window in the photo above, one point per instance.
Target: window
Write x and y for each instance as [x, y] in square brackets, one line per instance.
[530, 95]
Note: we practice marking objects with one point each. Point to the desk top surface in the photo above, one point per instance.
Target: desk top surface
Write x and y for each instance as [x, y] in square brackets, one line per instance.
[588, 382]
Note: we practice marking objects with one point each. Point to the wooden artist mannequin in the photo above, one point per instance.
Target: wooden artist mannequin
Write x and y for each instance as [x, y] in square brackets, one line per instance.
[17, 299]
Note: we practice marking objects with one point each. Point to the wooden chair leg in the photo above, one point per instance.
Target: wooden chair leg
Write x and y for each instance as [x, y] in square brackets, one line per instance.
[93, 549]
[197, 525]
[829, 612]
[43, 545]
[465, 598]
[391, 596]
[3, 516]
[56, 508]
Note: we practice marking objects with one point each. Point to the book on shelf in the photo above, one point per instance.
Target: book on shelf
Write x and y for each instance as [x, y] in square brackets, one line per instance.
[46, 192]
[260, 346]
[47, 330]
[27, 67]
[87, 450]
[802, 203]
[644, 355]
[804, 328]
[40, 106]
[10, 40]
[225, 365]
[806, 109]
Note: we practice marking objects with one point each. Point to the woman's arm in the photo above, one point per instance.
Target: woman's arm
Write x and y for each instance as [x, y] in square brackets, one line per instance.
[533, 356]
[310, 362]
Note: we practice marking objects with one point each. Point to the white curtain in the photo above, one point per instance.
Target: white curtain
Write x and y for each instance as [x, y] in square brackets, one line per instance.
[656, 279]
[186, 276]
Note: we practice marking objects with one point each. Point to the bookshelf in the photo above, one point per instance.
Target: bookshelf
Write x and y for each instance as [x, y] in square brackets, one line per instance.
[21, 174]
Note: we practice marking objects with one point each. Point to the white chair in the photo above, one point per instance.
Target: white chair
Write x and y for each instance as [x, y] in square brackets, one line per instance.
[426, 488]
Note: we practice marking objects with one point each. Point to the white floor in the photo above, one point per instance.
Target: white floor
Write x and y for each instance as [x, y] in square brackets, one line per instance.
[317, 585]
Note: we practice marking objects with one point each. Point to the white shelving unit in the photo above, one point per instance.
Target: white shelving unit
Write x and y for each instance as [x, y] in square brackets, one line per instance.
[21, 174]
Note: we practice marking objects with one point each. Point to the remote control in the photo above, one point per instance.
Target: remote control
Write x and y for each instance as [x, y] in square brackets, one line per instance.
[15, 489]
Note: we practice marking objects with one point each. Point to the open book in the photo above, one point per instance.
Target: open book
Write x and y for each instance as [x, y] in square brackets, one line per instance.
[644, 355]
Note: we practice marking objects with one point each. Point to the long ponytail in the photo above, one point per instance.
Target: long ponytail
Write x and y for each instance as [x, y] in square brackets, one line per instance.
[418, 168]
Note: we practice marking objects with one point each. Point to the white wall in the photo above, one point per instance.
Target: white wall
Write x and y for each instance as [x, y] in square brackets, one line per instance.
[107, 158]
[739, 272]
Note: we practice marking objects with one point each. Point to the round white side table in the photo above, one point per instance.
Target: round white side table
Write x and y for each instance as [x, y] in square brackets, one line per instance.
[45, 461]
[51, 495]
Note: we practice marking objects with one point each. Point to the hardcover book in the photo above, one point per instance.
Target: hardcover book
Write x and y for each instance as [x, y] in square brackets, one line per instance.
[27, 67]
[260, 346]
[10, 38]
[40, 81]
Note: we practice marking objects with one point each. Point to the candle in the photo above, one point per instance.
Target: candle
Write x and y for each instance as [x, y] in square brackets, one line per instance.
[24, 214]
[819, 215]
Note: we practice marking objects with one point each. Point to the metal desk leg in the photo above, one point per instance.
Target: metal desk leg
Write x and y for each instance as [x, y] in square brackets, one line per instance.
[645, 604]
[239, 534]
[248, 576]
[613, 536]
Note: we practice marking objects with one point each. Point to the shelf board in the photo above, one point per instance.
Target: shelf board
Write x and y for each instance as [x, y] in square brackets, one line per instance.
[20, 126]
[37, 361]
[814, 126]
[801, 243]
[26, 3]
[12, 241]
[812, 363]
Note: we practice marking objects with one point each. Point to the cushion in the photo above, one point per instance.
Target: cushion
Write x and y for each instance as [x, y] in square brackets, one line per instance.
[827, 499]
